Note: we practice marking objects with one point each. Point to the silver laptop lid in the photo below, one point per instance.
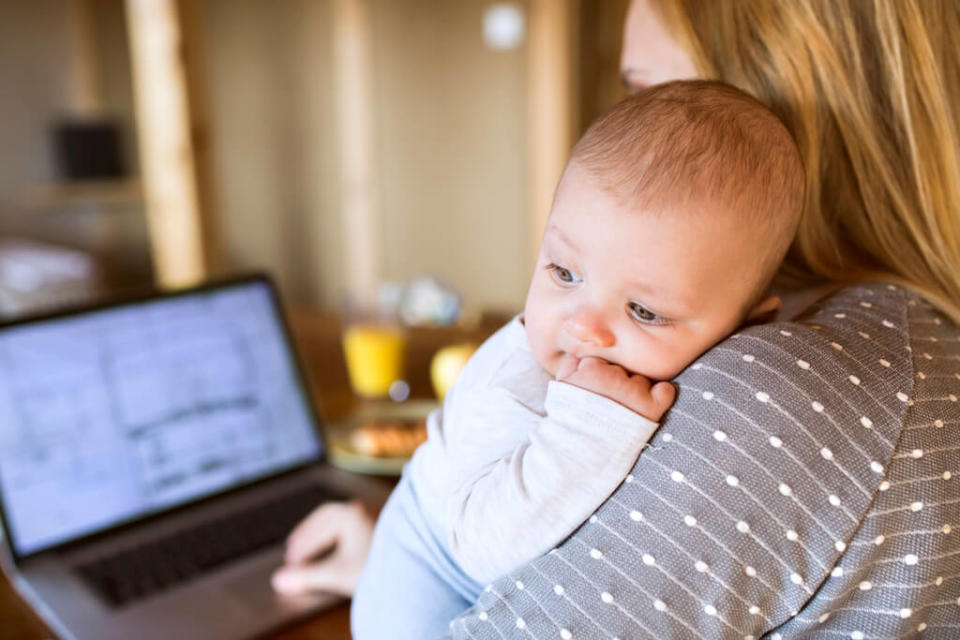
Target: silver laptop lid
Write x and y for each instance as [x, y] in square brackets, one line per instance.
[113, 414]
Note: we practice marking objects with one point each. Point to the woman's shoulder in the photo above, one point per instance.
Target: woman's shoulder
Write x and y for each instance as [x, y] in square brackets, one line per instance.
[851, 348]
[817, 402]
[835, 384]
[865, 345]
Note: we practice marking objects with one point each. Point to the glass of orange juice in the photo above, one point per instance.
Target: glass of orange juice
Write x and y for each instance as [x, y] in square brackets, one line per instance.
[375, 352]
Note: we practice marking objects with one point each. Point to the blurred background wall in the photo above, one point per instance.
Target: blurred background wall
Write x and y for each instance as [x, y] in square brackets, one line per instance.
[449, 121]
[273, 144]
[450, 132]
[33, 45]
[46, 78]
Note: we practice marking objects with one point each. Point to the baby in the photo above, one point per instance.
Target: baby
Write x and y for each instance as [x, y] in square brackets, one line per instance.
[668, 225]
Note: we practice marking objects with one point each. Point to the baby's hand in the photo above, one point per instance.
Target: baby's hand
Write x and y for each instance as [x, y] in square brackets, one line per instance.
[612, 381]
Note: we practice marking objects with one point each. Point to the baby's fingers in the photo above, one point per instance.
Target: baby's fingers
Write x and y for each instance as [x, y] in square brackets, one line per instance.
[663, 394]
[568, 366]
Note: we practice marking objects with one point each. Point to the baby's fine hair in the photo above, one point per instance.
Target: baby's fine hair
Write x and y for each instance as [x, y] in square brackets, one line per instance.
[693, 145]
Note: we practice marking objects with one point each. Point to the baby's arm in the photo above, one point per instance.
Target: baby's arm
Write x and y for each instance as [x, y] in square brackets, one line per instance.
[507, 509]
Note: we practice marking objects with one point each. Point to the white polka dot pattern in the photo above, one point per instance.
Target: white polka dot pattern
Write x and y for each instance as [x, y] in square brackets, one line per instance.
[805, 483]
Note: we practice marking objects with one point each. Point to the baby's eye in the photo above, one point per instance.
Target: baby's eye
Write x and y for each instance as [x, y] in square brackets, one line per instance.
[563, 275]
[643, 315]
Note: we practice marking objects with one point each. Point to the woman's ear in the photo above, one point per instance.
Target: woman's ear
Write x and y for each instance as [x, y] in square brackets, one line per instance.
[764, 311]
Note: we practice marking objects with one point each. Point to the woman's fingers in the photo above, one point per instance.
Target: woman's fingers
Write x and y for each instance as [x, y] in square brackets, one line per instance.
[332, 575]
[316, 532]
[343, 528]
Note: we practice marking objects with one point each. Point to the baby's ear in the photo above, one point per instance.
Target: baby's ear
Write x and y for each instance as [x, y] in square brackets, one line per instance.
[764, 311]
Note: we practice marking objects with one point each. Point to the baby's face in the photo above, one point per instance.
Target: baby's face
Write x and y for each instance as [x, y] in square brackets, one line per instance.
[649, 292]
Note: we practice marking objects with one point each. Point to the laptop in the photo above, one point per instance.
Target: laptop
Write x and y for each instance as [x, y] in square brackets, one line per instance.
[154, 454]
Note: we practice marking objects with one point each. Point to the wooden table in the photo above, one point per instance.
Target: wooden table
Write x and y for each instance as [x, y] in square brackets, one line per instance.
[317, 337]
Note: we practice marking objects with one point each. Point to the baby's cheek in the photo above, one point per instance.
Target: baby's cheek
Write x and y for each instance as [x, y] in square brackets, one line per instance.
[661, 361]
[665, 371]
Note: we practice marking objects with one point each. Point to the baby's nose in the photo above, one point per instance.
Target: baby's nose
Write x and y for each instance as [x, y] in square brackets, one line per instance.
[589, 327]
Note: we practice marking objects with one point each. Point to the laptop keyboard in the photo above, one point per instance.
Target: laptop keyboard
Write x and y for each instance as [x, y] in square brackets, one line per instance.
[139, 571]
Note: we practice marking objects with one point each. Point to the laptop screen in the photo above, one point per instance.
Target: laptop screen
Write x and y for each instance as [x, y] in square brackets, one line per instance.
[109, 415]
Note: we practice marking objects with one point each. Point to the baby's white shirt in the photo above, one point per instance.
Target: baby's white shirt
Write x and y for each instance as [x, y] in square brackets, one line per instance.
[515, 461]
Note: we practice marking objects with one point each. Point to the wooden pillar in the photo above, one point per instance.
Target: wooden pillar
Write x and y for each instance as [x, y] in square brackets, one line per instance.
[166, 150]
[193, 32]
[85, 100]
[551, 111]
[354, 80]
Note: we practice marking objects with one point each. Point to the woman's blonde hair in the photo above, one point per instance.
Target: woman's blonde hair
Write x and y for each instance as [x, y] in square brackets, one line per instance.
[870, 89]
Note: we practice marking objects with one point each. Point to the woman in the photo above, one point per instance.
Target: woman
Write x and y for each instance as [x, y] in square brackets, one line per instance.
[803, 482]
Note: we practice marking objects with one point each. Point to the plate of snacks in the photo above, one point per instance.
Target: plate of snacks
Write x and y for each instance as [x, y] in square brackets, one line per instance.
[379, 439]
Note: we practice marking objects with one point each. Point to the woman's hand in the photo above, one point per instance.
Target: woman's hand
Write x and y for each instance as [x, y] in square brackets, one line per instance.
[340, 534]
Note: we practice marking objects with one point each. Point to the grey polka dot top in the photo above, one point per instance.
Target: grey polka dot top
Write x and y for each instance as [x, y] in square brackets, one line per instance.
[806, 484]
